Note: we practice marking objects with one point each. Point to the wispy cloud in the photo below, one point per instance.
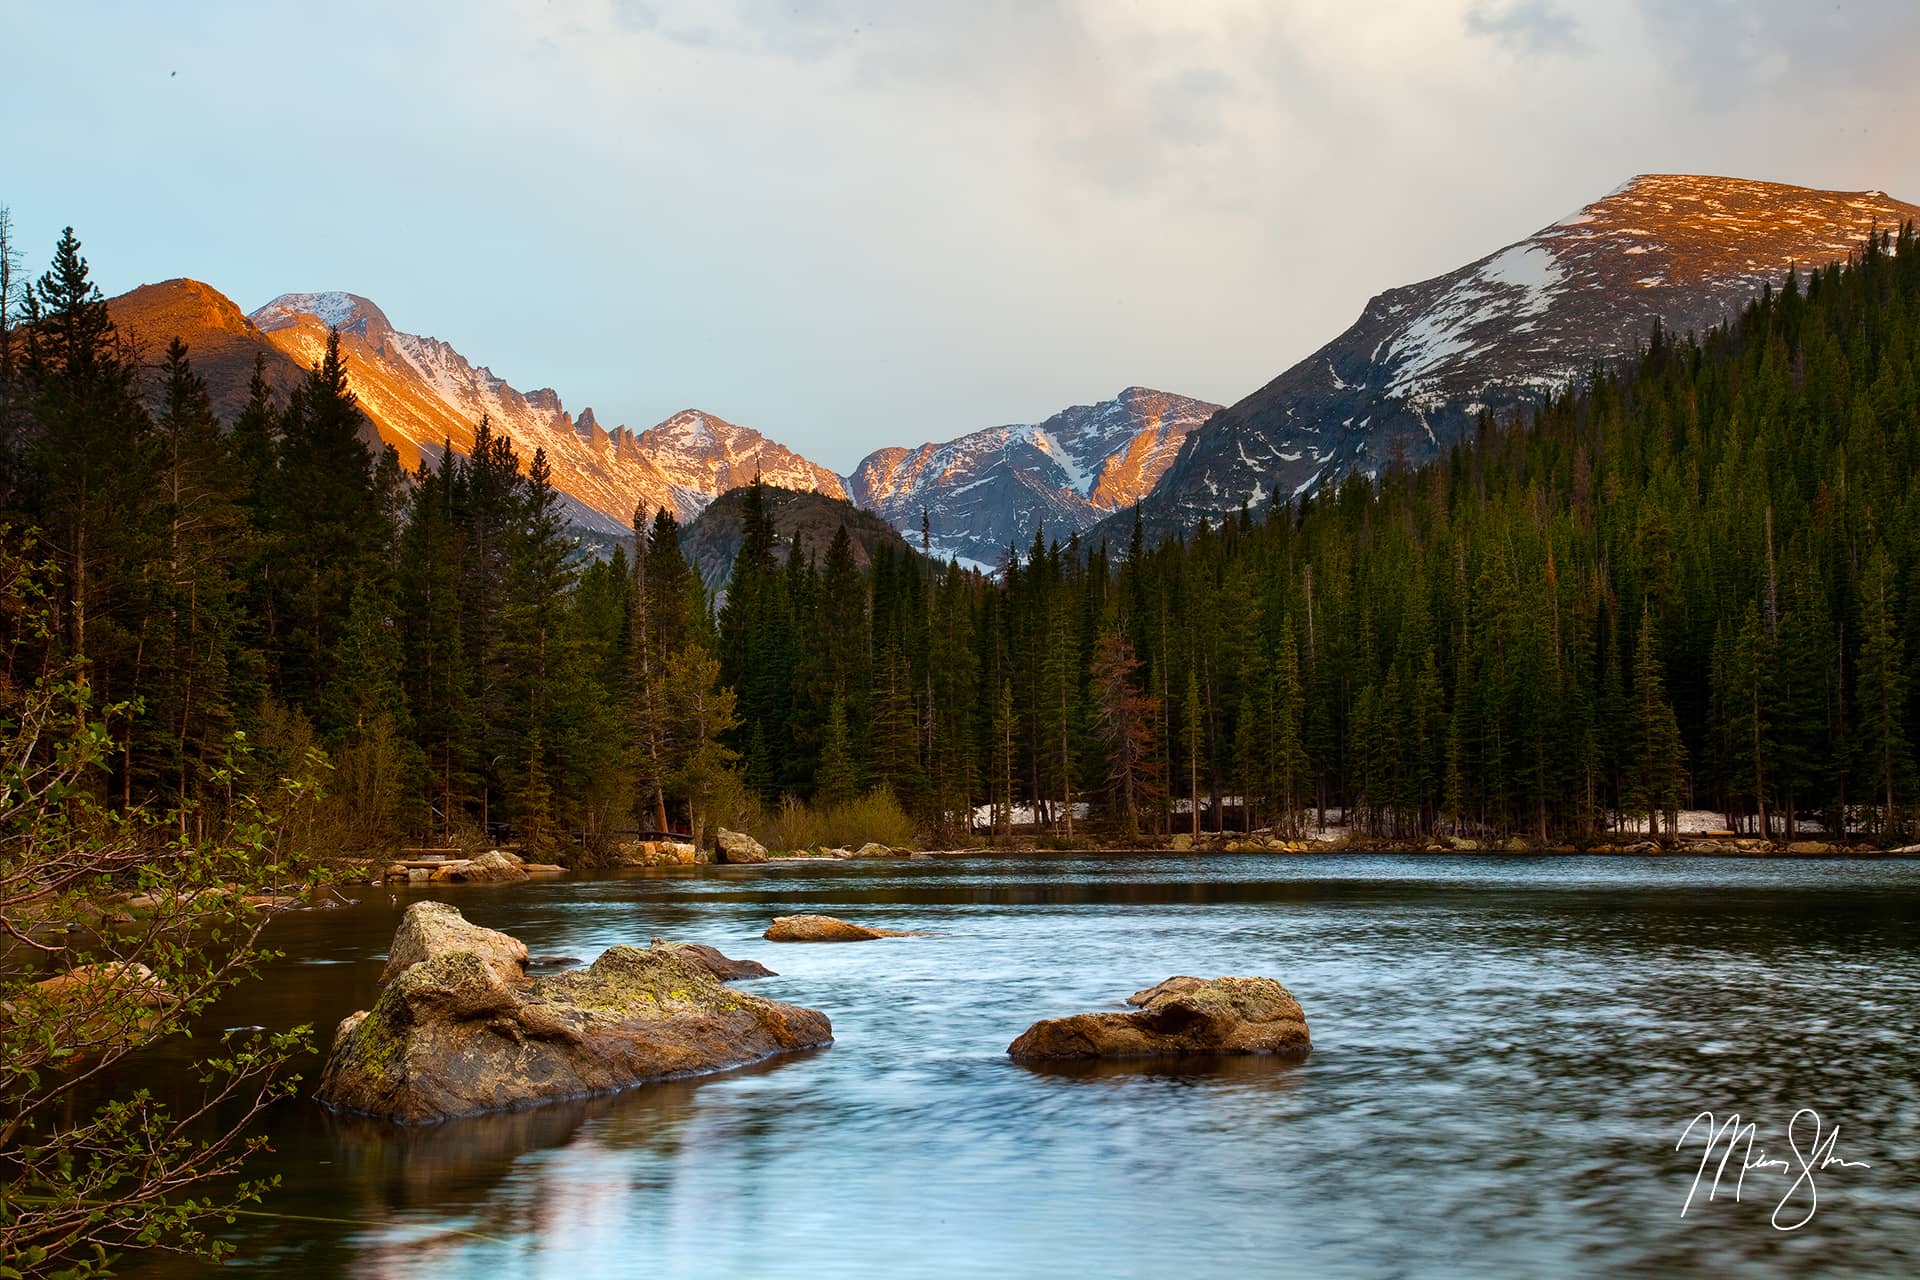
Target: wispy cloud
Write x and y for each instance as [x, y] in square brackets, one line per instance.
[1527, 26]
[859, 222]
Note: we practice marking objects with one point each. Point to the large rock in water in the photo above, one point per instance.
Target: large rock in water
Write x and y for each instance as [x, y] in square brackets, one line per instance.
[824, 929]
[1221, 1016]
[737, 846]
[452, 1035]
[430, 930]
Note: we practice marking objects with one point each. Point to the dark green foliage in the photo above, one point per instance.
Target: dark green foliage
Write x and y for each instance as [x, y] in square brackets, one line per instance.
[1694, 582]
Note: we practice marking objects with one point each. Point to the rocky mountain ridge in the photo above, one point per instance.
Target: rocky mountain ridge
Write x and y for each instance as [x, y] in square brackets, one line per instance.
[1425, 359]
[422, 394]
[991, 488]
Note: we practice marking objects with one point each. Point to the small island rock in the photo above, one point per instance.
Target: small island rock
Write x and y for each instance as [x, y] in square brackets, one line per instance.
[1221, 1016]
[825, 929]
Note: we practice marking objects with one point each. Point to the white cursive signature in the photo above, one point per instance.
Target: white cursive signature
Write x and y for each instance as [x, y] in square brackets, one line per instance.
[1725, 1137]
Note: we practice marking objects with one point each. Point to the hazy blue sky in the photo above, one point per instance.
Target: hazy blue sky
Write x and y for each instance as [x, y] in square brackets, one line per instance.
[857, 224]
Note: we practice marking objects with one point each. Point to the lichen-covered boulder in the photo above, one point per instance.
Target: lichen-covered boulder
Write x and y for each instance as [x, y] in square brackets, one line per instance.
[432, 929]
[739, 847]
[1221, 1016]
[825, 929]
[710, 959]
[873, 849]
[448, 1037]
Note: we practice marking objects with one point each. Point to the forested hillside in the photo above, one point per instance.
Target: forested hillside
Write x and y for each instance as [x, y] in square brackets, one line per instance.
[1691, 584]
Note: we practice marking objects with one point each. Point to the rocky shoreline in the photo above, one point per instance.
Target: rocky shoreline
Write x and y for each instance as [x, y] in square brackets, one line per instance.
[735, 849]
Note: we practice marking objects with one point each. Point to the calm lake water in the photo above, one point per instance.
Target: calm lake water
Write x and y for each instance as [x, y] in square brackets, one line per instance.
[1506, 1051]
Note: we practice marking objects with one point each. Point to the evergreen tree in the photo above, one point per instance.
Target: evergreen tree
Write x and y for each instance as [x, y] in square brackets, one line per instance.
[702, 713]
[1124, 721]
[88, 477]
[328, 528]
[1886, 758]
[189, 711]
[1658, 772]
[541, 657]
[836, 783]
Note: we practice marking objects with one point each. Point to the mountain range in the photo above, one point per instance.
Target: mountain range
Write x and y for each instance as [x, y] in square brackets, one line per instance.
[1405, 380]
[990, 489]
[1424, 360]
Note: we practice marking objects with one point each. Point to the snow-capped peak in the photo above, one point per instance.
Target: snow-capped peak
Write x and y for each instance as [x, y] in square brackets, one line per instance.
[994, 486]
[334, 310]
[1425, 359]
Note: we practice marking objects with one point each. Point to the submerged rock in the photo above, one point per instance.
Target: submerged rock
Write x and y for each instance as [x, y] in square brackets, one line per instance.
[93, 1005]
[825, 929]
[710, 959]
[738, 847]
[110, 979]
[1180, 1016]
[453, 1035]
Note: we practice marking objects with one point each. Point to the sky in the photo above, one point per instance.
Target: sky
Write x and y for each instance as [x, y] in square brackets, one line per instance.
[853, 225]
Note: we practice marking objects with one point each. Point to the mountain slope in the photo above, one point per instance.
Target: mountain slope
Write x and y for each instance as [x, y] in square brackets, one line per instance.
[221, 341]
[1424, 359]
[420, 392]
[992, 487]
[713, 539]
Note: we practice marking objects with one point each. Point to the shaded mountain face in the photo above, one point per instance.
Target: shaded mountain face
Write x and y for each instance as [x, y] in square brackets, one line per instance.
[420, 392]
[1423, 360]
[991, 488]
[713, 539]
[221, 341]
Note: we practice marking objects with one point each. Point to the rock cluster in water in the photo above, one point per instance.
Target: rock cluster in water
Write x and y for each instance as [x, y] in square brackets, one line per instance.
[1179, 1016]
[495, 866]
[461, 1029]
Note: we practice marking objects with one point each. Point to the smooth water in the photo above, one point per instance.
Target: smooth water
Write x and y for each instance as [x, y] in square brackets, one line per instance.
[1506, 1051]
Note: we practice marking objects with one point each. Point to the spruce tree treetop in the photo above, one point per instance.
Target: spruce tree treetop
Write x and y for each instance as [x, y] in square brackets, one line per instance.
[72, 330]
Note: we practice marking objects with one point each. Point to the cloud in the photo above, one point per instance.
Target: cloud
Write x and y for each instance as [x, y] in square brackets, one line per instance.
[1526, 26]
[1744, 46]
[861, 222]
[1189, 107]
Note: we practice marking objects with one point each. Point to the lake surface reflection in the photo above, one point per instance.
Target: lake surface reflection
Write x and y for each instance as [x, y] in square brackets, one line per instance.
[1506, 1051]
